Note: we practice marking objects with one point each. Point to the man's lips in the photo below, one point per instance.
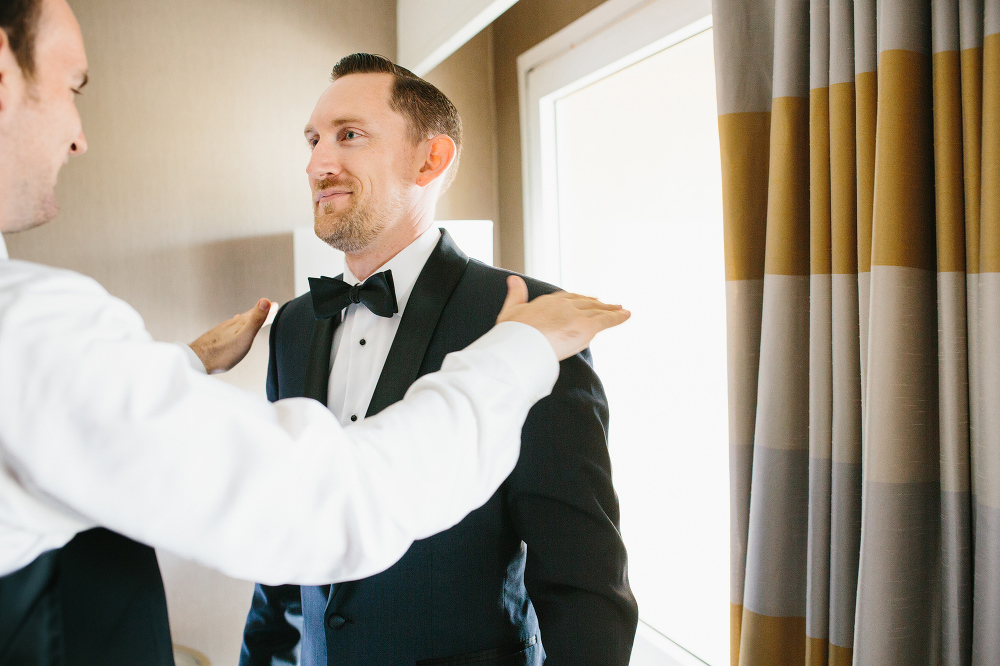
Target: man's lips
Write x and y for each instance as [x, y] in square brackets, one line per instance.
[325, 196]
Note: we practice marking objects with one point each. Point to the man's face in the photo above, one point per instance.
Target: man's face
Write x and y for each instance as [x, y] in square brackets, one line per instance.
[362, 162]
[40, 126]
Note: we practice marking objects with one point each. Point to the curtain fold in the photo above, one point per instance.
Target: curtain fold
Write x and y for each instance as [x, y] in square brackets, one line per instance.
[956, 520]
[986, 452]
[846, 340]
[820, 337]
[744, 101]
[861, 181]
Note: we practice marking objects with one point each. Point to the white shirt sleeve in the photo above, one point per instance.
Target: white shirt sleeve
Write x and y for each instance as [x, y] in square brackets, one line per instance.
[101, 425]
[193, 359]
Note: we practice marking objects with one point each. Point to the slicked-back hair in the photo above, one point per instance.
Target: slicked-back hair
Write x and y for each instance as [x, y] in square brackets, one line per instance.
[428, 110]
[19, 19]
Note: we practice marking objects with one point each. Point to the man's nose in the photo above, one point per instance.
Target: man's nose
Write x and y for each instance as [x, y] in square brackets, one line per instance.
[78, 147]
[323, 163]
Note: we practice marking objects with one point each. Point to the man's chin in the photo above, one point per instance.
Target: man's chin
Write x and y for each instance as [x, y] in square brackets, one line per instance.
[327, 226]
[330, 231]
[31, 220]
[341, 235]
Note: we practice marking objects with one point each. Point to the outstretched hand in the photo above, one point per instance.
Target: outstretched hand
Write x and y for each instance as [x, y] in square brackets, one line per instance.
[224, 346]
[568, 321]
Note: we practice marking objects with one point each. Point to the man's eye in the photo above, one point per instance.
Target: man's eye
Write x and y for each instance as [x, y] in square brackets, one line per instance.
[350, 134]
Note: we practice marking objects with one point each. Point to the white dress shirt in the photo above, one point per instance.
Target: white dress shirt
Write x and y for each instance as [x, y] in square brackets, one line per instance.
[100, 425]
[355, 366]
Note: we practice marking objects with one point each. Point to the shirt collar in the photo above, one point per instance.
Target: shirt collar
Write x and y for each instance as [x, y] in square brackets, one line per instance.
[3, 248]
[406, 265]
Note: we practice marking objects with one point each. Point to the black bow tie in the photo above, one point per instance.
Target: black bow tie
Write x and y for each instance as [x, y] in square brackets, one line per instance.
[331, 295]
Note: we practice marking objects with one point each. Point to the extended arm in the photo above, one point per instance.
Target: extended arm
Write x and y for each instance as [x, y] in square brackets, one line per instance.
[103, 426]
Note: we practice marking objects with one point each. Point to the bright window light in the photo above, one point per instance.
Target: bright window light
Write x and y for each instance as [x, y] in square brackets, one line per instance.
[640, 223]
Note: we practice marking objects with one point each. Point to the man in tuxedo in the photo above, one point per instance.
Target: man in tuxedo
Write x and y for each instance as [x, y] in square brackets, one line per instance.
[539, 572]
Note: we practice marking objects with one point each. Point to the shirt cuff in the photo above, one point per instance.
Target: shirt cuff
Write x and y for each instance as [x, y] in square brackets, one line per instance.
[528, 353]
[192, 358]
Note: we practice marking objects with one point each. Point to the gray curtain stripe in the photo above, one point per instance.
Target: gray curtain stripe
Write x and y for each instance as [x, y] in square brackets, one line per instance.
[776, 553]
[986, 621]
[971, 19]
[818, 571]
[845, 549]
[899, 585]
[956, 578]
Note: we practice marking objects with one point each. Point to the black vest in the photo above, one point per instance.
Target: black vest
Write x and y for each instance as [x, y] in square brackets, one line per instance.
[98, 600]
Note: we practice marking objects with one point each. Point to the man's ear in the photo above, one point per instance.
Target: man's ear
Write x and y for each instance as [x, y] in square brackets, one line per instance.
[438, 153]
[11, 77]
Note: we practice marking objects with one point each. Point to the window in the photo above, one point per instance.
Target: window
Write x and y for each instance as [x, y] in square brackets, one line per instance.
[624, 201]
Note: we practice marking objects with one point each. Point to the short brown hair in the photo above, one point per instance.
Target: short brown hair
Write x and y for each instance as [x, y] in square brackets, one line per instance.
[19, 19]
[429, 110]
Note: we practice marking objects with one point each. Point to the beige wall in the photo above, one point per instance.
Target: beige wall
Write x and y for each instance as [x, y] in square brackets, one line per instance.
[466, 77]
[518, 29]
[194, 178]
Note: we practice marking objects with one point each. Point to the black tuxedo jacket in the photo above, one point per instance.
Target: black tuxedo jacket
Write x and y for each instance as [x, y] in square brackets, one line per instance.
[474, 594]
[97, 600]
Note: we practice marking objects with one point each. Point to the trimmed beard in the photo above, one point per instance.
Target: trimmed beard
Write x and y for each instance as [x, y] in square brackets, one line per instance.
[357, 227]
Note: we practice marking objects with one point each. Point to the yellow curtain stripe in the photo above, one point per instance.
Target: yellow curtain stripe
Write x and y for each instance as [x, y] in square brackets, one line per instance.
[841, 656]
[949, 188]
[787, 251]
[990, 228]
[745, 143]
[819, 181]
[735, 624]
[972, 129]
[903, 232]
[772, 641]
[866, 85]
[817, 651]
[843, 179]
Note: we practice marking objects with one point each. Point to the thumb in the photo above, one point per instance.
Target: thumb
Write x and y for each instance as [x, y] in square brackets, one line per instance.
[258, 314]
[517, 294]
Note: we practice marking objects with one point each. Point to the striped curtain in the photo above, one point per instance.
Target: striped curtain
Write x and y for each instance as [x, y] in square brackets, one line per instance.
[861, 182]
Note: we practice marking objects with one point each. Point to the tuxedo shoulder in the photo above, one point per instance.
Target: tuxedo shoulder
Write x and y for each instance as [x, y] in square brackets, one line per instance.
[481, 273]
[299, 309]
[476, 301]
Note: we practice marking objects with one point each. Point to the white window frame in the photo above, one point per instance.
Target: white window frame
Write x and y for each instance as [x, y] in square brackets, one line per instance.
[613, 36]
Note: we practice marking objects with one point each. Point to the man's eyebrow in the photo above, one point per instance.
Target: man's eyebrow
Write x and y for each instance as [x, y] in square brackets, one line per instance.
[346, 120]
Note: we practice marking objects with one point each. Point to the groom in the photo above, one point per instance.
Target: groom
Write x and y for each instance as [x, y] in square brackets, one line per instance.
[539, 572]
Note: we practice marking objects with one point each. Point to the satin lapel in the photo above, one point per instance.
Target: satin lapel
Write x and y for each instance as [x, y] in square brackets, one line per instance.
[317, 381]
[433, 288]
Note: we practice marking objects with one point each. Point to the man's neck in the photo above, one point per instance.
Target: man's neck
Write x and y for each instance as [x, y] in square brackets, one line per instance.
[365, 262]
